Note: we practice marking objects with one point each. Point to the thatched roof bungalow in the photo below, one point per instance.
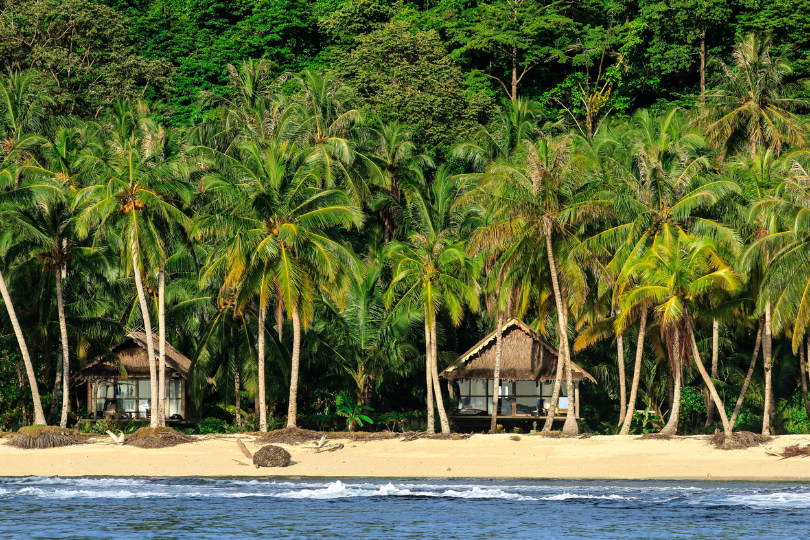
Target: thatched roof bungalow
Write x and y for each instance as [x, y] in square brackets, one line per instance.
[118, 383]
[528, 371]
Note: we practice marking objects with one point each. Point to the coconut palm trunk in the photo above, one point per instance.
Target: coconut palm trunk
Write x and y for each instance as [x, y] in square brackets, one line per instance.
[39, 414]
[437, 388]
[803, 375]
[162, 347]
[150, 346]
[622, 377]
[750, 374]
[292, 410]
[261, 397]
[631, 404]
[709, 384]
[431, 421]
[493, 427]
[674, 415]
[767, 354]
[57, 389]
[715, 352]
[555, 393]
[570, 426]
[60, 304]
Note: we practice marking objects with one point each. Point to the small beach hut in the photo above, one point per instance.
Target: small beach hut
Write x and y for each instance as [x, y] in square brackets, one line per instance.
[528, 371]
[118, 383]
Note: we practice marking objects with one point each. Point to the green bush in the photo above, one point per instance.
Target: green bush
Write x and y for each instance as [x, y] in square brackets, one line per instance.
[214, 425]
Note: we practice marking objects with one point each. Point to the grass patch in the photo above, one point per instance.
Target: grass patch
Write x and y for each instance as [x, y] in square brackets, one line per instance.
[30, 437]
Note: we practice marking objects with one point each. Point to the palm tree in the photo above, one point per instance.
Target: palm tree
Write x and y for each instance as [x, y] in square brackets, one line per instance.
[282, 242]
[132, 206]
[753, 104]
[673, 276]
[371, 341]
[390, 161]
[432, 272]
[653, 181]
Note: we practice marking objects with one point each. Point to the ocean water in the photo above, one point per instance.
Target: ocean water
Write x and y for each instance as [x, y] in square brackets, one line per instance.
[232, 509]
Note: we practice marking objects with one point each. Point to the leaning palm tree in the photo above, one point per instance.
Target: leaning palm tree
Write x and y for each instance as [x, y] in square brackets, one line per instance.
[653, 173]
[433, 273]
[753, 103]
[134, 201]
[674, 275]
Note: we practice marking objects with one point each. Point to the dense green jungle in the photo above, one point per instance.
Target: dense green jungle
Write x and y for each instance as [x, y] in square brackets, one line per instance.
[323, 203]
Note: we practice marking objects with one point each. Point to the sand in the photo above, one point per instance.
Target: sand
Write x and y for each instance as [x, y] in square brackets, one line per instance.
[481, 456]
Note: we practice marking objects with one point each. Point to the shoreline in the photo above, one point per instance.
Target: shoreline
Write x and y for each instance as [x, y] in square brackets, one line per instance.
[496, 457]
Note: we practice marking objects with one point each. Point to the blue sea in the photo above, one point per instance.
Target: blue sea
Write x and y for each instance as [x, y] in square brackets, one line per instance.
[232, 508]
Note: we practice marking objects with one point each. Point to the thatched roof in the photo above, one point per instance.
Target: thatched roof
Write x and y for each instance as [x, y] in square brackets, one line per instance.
[132, 356]
[526, 356]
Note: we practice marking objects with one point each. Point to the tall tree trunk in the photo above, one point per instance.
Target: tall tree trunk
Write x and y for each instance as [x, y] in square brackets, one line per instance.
[292, 410]
[703, 65]
[497, 382]
[631, 404]
[674, 415]
[513, 97]
[431, 421]
[715, 352]
[622, 377]
[237, 396]
[803, 375]
[709, 384]
[60, 304]
[261, 398]
[555, 392]
[39, 414]
[162, 346]
[150, 346]
[46, 359]
[570, 427]
[767, 352]
[57, 390]
[437, 387]
[750, 373]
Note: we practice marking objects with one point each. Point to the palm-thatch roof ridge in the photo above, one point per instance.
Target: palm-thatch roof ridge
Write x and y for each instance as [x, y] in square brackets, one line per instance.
[130, 354]
[525, 356]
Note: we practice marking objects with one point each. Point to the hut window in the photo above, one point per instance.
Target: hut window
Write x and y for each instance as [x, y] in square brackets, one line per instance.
[127, 395]
[526, 395]
[473, 394]
[105, 390]
[175, 397]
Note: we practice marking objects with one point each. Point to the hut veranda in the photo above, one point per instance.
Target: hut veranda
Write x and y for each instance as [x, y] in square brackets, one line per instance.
[528, 370]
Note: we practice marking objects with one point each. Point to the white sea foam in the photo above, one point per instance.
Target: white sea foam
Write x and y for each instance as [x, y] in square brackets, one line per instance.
[767, 500]
[338, 489]
[565, 496]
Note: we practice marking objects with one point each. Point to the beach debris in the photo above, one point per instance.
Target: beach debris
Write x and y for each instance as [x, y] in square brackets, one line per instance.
[514, 438]
[586, 436]
[244, 449]
[416, 435]
[739, 440]
[160, 437]
[117, 439]
[329, 448]
[793, 451]
[271, 456]
[45, 437]
[241, 462]
[655, 437]
[291, 436]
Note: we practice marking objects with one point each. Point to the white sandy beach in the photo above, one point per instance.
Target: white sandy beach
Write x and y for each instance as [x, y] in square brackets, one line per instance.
[481, 456]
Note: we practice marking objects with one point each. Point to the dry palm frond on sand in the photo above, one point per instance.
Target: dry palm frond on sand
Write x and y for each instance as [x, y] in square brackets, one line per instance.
[739, 440]
[795, 451]
[655, 437]
[45, 437]
[161, 437]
